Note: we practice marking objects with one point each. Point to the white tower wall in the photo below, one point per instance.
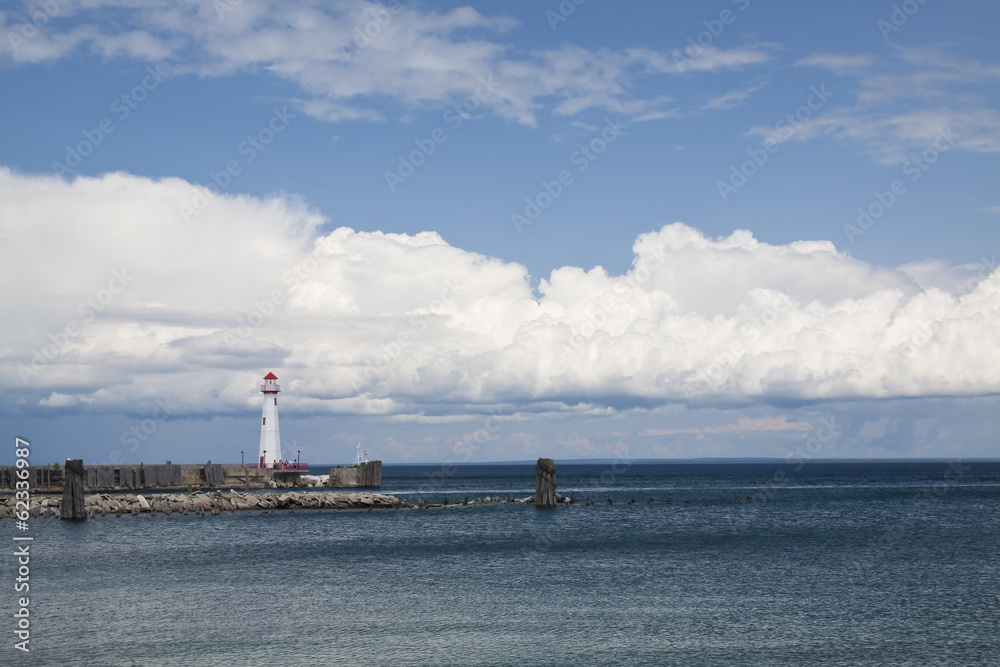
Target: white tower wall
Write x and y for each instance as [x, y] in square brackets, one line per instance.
[270, 438]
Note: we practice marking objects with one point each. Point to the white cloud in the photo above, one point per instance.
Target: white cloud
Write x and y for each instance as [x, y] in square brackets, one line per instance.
[894, 139]
[903, 104]
[838, 63]
[346, 56]
[770, 424]
[710, 59]
[57, 400]
[373, 323]
[732, 98]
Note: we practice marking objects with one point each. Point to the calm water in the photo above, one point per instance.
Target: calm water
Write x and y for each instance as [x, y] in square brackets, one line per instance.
[833, 564]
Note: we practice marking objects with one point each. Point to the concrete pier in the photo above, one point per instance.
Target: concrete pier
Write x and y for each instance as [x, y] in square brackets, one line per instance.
[104, 478]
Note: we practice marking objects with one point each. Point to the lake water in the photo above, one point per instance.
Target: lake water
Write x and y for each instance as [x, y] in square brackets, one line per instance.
[830, 564]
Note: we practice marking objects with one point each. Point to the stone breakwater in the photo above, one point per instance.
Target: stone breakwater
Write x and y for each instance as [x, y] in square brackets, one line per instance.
[200, 502]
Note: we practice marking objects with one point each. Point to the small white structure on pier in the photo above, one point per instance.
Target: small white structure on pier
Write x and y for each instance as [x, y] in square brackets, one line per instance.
[270, 439]
[360, 458]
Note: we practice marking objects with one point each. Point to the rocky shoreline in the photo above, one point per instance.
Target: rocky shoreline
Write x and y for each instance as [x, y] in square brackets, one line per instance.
[216, 502]
[206, 502]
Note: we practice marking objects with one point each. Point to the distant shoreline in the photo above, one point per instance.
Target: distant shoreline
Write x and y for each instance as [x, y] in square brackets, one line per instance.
[644, 461]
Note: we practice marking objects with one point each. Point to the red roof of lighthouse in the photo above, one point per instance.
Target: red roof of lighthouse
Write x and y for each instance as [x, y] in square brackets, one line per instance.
[270, 376]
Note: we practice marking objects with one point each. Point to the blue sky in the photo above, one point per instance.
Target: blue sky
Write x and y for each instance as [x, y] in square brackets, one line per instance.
[464, 232]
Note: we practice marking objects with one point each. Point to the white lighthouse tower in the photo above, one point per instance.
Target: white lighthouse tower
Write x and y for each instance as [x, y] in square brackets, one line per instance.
[270, 440]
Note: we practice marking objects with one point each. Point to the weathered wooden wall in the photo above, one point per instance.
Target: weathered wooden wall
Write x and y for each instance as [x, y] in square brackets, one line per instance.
[213, 474]
[73, 505]
[545, 483]
[370, 475]
[39, 477]
[144, 476]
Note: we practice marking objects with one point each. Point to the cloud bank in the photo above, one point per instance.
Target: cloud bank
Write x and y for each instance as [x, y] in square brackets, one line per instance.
[114, 301]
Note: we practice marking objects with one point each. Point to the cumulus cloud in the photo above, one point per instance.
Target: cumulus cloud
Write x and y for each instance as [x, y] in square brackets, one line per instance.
[116, 301]
[345, 54]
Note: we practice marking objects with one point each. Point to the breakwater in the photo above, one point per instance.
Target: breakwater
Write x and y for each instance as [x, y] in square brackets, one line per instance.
[50, 478]
[115, 478]
[216, 502]
[201, 502]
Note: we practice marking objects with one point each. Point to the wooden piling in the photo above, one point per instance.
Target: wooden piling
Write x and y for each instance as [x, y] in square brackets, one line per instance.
[370, 475]
[73, 505]
[545, 483]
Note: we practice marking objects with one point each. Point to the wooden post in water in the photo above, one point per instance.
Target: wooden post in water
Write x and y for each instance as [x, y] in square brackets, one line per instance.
[545, 483]
[73, 504]
[370, 475]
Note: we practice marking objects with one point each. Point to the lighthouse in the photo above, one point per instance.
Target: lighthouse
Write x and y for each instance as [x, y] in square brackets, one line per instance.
[270, 441]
